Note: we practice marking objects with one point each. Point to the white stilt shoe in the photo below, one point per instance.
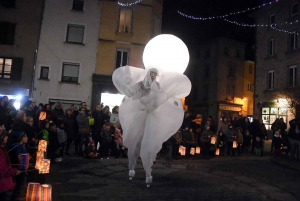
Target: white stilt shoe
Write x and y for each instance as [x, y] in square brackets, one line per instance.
[131, 174]
[149, 181]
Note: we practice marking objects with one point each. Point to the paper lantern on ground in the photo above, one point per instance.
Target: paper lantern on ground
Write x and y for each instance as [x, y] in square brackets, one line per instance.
[213, 140]
[33, 192]
[183, 149]
[180, 148]
[234, 144]
[198, 150]
[23, 162]
[38, 162]
[192, 151]
[42, 116]
[42, 145]
[44, 166]
[45, 193]
[217, 151]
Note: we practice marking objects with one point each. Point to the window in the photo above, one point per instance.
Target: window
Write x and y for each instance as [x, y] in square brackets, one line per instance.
[70, 72]
[250, 69]
[78, 5]
[272, 20]
[270, 79]
[293, 76]
[294, 40]
[5, 68]
[249, 86]
[156, 26]
[122, 58]
[206, 71]
[226, 52]
[231, 71]
[75, 33]
[230, 91]
[238, 54]
[271, 47]
[44, 73]
[294, 9]
[7, 33]
[8, 3]
[125, 20]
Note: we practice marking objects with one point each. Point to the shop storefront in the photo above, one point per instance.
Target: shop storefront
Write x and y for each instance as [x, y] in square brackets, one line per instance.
[230, 110]
[270, 111]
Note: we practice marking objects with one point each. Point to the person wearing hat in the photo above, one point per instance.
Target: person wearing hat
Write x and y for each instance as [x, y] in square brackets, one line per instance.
[18, 140]
[6, 170]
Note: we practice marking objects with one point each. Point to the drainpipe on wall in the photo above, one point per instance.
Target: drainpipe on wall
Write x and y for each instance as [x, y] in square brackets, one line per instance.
[36, 51]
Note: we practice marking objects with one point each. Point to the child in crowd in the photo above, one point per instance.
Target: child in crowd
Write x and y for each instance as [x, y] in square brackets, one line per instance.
[45, 135]
[247, 142]
[258, 146]
[105, 140]
[230, 137]
[277, 141]
[62, 136]
[221, 142]
[239, 140]
[91, 151]
[54, 145]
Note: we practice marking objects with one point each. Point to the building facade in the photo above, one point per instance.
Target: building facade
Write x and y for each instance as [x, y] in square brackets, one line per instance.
[124, 32]
[20, 23]
[248, 106]
[67, 52]
[277, 61]
[218, 79]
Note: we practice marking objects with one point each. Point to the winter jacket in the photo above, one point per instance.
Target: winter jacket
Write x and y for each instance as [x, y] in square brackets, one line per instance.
[247, 140]
[56, 114]
[239, 138]
[277, 141]
[205, 135]
[230, 135]
[17, 149]
[105, 136]
[186, 136]
[98, 118]
[53, 139]
[62, 135]
[70, 126]
[46, 135]
[222, 127]
[114, 118]
[83, 122]
[6, 172]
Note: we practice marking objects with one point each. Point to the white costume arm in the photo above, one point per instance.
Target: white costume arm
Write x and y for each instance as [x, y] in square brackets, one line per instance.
[124, 77]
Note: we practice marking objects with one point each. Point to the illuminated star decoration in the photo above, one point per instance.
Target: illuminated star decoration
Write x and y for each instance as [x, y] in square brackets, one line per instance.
[129, 4]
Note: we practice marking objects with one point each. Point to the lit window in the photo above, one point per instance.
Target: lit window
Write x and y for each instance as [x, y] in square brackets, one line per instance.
[271, 79]
[75, 33]
[122, 58]
[44, 72]
[271, 47]
[293, 76]
[70, 72]
[5, 68]
[125, 20]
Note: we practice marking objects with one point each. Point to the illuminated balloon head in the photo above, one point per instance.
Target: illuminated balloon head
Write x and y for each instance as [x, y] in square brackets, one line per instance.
[167, 52]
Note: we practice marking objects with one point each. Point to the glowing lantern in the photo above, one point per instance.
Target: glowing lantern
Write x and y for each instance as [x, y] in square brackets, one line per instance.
[180, 149]
[44, 166]
[234, 144]
[42, 116]
[23, 161]
[192, 151]
[213, 140]
[198, 150]
[217, 151]
[183, 149]
[42, 145]
[33, 192]
[45, 193]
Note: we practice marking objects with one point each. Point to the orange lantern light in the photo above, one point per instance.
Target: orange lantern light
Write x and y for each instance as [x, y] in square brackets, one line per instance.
[42, 145]
[183, 149]
[42, 116]
[198, 150]
[217, 151]
[192, 151]
[213, 140]
[180, 149]
[234, 144]
[32, 193]
[38, 162]
[44, 166]
[45, 193]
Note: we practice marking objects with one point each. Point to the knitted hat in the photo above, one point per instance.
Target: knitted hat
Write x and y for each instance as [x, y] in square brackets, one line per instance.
[51, 123]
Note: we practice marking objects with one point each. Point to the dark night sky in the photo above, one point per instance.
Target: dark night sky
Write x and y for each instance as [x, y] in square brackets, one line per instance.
[193, 32]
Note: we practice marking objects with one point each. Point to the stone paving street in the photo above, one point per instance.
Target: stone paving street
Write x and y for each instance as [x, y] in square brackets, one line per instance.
[221, 178]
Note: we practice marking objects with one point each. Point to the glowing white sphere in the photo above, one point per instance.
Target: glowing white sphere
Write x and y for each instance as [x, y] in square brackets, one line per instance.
[167, 52]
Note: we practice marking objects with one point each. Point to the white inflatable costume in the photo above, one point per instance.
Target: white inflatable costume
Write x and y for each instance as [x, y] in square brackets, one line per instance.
[151, 111]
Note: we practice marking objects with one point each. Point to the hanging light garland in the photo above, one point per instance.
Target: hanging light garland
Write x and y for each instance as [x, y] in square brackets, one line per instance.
[129, 4]
[223, 16]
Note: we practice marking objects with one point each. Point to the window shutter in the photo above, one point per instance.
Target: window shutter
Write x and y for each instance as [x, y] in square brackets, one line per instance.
[17, 66]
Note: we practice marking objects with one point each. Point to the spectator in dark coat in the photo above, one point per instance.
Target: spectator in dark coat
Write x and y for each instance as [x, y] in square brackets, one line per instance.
[255, 130]
[230, 137]
[57, 112]
[30, 111]
[70, 128]
[106, 139]
[54, 145]
[98, 125]
[277, 144]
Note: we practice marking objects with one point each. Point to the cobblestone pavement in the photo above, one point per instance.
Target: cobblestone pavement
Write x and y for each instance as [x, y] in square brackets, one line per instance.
[220, 178]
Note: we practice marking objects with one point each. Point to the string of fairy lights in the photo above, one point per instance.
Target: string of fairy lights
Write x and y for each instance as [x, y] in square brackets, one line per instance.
[129, 4]
[227, 15]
